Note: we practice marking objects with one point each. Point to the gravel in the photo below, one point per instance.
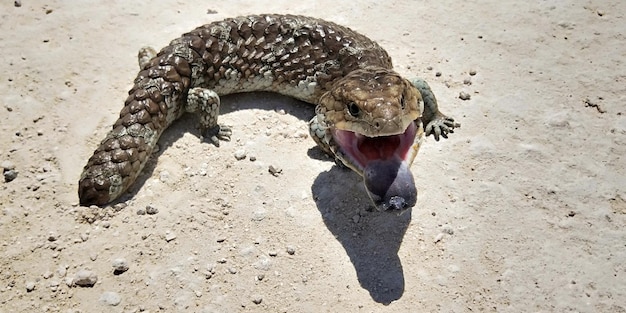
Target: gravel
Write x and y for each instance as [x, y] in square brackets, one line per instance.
[110, 298]
[9, 175]
[150, 210]
[85, 278]
[240, 154]
[169, 236]
[52, 236]
[30, 286]
[274, 170]
[120, 265]
[47, 274]
[464, 95]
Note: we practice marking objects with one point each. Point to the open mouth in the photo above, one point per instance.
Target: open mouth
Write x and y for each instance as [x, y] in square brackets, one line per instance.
[361, 150]
[384, 163]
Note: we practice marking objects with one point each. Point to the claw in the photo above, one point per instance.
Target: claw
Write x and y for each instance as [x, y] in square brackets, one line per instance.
[441, 127]
[217, 133]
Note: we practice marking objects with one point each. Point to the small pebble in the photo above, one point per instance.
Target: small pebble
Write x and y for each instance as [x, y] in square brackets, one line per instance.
[438, 238]
[150, 210]
[52, 236]
[472, 72]
[120, 265]
[438, 74]
[54, 285]
[291, 250]
[232, 270]
[274, 170]
[141, 212]
[260, 277]
[240, 154]
[47, 274]
[169, 236]
[273, 253]
[430, 68]
[464, 95]
[17, 3]
[110, 298]
[259, 215]
[164, 176]
[119, 206]
[9, 175]
[30, 286]
[85, 278]
[467, 81]
[256, 299]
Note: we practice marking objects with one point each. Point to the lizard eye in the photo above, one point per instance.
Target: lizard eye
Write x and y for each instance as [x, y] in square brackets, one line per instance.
[353, 109]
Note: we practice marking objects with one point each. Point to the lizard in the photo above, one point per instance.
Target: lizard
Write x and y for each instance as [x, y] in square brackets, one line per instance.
[367, 116]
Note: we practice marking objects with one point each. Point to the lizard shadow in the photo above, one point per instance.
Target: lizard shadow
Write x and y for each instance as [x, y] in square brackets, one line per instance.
[371, 239]
[188, 123]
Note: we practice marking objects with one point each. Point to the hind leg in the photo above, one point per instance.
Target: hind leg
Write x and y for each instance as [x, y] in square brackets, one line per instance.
[204, 101]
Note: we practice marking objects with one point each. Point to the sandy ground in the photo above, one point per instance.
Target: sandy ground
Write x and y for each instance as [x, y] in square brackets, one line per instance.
[521, 210]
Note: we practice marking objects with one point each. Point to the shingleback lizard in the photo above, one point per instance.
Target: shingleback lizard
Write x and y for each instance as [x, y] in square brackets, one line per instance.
[368, 117]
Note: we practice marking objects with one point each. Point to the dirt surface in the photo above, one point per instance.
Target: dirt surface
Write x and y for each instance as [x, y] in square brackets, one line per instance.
[523, 209]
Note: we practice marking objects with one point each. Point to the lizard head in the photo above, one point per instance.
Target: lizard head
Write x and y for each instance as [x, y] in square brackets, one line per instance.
[374, 127]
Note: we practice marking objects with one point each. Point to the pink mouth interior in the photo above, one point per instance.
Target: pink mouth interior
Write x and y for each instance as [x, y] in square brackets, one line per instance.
[362, 149]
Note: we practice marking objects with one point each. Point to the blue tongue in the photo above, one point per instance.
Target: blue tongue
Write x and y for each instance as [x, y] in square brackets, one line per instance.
[390, 184]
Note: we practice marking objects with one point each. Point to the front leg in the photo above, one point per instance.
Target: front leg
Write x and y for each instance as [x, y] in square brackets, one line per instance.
[207, 103]
[318, 129]
[436, 123]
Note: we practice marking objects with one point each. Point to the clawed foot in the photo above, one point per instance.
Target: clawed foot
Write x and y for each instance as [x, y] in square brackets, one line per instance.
[217, 133]
[441, 126]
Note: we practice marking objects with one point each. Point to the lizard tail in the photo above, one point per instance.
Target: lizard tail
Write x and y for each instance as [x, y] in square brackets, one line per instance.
[152, 105]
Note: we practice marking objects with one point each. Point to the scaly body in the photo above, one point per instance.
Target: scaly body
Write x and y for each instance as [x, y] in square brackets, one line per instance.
[367, 116]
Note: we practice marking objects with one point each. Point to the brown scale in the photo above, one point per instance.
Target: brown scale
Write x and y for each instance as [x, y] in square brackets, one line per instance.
[292, 47]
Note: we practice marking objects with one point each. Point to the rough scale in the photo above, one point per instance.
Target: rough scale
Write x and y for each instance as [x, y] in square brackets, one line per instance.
[367, 116]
